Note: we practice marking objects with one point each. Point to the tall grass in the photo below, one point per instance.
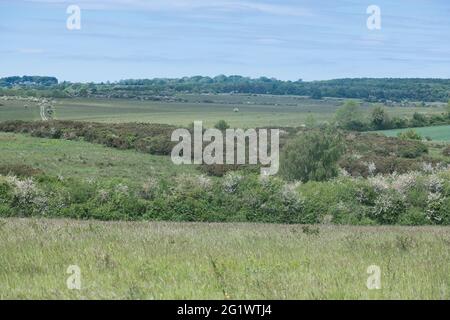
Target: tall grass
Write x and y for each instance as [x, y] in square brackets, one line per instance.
[142, 260]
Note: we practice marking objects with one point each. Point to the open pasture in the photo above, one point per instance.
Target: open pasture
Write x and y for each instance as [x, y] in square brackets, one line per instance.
[254, 110]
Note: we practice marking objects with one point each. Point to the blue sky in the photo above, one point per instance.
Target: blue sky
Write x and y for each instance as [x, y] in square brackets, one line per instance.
[285, 39]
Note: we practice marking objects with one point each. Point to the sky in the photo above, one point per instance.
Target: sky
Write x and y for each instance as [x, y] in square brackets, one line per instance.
[284, 39]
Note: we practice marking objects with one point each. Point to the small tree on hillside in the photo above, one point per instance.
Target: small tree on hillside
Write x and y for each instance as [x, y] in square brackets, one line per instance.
[312, 156]
[349, 116]
[380, 118]
[418, 120]
[222, 125]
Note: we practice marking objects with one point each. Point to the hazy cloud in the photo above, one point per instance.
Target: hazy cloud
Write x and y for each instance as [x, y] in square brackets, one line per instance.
[187, 5]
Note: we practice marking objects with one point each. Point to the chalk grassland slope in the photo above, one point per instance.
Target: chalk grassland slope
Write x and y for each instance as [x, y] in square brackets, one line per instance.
[437, 133]
[123, 260]
[254, 111]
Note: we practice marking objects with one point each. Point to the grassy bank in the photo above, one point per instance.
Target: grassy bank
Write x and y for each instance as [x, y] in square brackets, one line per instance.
[436, 133]
[84, 160]
[217, 261]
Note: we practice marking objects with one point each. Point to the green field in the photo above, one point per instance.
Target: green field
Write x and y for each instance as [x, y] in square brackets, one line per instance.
[220, 261]
[437, 133]
[85, 160]
[254, 110]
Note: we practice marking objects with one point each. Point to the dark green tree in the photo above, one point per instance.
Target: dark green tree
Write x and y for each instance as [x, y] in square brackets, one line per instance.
[418, 120]
[222, 125]
[379, 118]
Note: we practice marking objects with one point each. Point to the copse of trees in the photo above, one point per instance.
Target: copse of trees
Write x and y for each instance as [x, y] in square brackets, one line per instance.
[28, 81]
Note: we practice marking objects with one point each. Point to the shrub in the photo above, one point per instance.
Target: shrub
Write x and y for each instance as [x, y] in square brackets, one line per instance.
[231, 182]
[222, 125]
[434, 204]
[399, 123]
[446, 151]
[410, 134]
[350, 214]
[419, 120]
[444, 211]
[28, 199]
[413, 217]
[312, 156]
[159, 145]
[413, 150]
[336, 198]
[5, 191]
[379, 118]
[6, 211]
[349, 115]
[388, 208]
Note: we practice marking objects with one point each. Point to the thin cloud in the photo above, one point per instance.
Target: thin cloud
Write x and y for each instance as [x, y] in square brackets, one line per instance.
[187, 5]
[30, 50]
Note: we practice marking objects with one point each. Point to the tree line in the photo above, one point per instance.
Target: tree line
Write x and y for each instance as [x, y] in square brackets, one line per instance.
[369, 89]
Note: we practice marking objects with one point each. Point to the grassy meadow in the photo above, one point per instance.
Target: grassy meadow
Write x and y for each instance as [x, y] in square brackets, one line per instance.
[149, 260]
[254, 110]
[84, 160]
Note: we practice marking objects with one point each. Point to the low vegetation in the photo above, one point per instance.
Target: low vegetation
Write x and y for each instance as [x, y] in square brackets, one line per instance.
[381, 181]
[414, 198]
[350, 116]
[148, 138]
[388, 154]
[160, 260]
[409, 134]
